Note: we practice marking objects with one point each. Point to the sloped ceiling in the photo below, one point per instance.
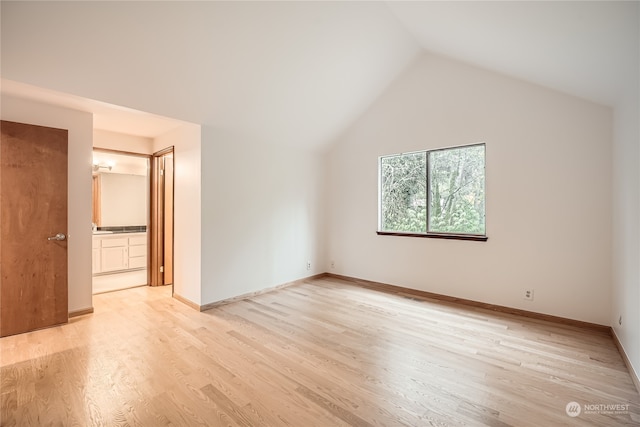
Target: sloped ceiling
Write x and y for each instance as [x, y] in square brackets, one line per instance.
[298, 74]
[589, 49]
[283, 73]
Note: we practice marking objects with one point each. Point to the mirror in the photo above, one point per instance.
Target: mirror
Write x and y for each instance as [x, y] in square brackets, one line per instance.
[120, 190]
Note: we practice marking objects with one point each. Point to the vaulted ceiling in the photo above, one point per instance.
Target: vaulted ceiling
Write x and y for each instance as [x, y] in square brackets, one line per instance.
[300, 73]
[589, 49]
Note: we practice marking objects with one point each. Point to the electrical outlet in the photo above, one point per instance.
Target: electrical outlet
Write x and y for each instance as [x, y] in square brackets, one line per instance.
[333, 265]
[528, 294]
[308, 265]
[620, 320]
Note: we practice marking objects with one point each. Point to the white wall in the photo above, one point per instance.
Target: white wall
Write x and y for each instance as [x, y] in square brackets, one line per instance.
[80, 127]
[626, 227]
[122, 142]
[124, 200]
[626, 218]
[186, 141]
[548, 180]
[262, 215]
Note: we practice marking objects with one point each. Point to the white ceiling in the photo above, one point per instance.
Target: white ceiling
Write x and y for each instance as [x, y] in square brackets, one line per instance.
[288, 73]
[589, 49]
[297, 73]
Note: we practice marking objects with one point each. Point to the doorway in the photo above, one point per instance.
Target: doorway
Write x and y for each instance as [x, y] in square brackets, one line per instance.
[162, 223]
[120, 220]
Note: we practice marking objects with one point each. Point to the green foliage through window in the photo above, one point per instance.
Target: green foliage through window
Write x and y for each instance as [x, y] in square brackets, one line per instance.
[439, 191]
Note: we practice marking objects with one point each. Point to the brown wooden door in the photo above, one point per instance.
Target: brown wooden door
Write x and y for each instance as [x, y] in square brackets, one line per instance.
[33, 209]
[168, 219]
[161, 230]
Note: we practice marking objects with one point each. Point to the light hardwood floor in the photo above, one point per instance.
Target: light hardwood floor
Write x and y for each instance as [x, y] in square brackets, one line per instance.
[322, 353]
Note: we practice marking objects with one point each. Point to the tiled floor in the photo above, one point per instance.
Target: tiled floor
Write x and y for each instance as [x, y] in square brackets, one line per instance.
[117, 281]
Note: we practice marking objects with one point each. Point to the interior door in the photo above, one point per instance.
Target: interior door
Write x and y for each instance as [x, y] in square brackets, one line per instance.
[33, 227]
[168, 219]
[162, 233]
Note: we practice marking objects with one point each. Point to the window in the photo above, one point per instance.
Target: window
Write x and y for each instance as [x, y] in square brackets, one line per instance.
[437, 193]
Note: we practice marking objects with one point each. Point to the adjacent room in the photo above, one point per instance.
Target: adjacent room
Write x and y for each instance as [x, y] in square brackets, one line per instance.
[320, 213]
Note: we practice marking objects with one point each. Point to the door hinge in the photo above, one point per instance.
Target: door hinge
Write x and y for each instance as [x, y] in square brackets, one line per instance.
[161, 172]
[162, 269]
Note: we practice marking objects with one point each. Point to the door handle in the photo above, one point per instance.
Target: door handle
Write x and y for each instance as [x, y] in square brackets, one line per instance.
[59, 236]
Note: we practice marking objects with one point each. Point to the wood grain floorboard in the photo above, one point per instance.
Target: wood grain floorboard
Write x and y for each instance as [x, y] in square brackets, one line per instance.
[324, 353]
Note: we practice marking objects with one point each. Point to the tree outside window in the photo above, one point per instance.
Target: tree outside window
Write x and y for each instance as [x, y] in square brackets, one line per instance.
[434, 192]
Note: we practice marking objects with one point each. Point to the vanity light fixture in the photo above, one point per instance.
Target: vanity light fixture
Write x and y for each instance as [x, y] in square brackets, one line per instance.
[97, 167]
[101, 165]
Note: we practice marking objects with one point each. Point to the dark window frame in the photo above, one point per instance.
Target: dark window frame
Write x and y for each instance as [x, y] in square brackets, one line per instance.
[429, 234]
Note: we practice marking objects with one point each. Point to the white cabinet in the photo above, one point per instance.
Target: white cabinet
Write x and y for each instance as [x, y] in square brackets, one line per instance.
[114, 259]
[95, 256]
[119, 252]
[138, 252]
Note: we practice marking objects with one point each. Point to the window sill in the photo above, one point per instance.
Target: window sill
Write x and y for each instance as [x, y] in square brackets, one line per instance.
[450, 236]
